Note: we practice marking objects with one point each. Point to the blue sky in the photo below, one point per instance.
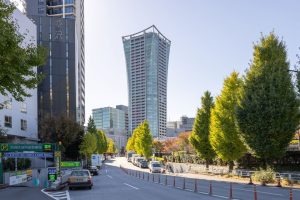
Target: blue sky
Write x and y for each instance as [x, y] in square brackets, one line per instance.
[210, 39]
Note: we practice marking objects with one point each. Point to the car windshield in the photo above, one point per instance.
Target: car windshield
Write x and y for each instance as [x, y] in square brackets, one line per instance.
[156, 165]
[80, 173]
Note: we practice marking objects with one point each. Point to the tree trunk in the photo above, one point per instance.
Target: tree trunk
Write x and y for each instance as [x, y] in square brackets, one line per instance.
[207, 164]
[231, 164]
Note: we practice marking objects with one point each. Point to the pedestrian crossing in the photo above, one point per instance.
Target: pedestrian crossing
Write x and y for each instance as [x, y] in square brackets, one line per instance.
[61, 195]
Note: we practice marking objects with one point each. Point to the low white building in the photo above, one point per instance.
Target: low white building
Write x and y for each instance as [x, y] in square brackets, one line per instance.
[19, 119]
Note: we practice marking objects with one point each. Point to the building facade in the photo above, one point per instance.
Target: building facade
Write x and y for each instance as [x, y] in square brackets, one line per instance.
[125, 109]
[113, 122]
[183, 125]
[60, 28]
[147, 58]
[19, 119]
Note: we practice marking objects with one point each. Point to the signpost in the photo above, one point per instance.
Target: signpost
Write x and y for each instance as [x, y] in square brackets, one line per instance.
[5, 147]
[27, 155]
[52, 174]
[1, 169]
[70, 164]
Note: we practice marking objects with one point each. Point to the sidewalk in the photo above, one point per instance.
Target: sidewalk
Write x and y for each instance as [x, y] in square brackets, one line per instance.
[121, 161]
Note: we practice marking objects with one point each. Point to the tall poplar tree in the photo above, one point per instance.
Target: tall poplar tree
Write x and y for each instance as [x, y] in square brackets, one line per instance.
[268, 112]
[200, 134]
[91, 127]
[143, 141]
[224, 134]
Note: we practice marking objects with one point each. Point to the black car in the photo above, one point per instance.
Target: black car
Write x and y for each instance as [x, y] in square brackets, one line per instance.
[143, 164]
[93, 170]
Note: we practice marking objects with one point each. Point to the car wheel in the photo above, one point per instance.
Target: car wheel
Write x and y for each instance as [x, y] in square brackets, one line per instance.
[70, 188]
[90, 187]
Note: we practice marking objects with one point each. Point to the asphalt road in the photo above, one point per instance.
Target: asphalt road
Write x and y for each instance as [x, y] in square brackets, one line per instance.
[22, 193]
[114, 184]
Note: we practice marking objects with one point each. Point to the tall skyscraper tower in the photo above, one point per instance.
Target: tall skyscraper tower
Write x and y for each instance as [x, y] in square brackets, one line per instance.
[147, 57]
[60, 28]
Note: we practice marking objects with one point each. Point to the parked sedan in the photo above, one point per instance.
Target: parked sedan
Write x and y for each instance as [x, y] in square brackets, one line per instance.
[143, 164]
[93, 170]
[80, 178]
[156, 167]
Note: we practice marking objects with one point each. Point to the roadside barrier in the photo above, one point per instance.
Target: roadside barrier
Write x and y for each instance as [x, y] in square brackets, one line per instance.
[198, 185]
[195, 188]
[210, 188]
[255, 193]
[230, 191]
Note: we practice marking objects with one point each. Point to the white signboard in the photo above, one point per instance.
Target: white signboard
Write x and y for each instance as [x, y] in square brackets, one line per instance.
[14, 180]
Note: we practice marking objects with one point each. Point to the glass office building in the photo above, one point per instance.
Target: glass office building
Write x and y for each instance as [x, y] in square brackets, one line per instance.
[113, 122]
[147, 57]
[60, 28]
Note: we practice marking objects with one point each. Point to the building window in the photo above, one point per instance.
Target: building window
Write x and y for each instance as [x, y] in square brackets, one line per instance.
[23, 125]
[7, 103]
[23, 107]
[41, 2]
[8, 121]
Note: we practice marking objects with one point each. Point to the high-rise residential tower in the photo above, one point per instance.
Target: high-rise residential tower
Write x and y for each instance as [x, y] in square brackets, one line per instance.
[60, 28]
[147, 57]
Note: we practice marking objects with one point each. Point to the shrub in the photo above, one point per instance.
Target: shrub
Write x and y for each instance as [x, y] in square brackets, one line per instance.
[264, 176]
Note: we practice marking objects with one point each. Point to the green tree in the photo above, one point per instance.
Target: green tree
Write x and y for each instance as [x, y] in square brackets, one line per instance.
[18, 60]
[143, 141]
[224, 134]
[91, 127]
[200, 134]
[62, 129]
[130, 146]
[111, 146]
[102, 144]
[88, 145]
[268, 112]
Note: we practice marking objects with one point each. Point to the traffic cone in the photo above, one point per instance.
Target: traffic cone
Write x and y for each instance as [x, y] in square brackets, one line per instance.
[291, 194]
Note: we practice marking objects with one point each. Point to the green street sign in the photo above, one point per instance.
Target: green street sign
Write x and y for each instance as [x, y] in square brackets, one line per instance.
[52, 173]
[5, 147]
[70, 164]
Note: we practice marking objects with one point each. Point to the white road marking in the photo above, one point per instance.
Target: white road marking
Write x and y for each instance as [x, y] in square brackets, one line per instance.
[274, 194]
[131, 186]
[57, 195]
[109, 176]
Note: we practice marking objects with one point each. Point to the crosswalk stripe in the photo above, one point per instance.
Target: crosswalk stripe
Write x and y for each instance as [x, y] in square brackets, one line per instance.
[57, 195]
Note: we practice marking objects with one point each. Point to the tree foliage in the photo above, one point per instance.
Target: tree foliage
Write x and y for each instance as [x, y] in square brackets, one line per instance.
[224, 135]
[18, 60]
[111, 146]
[268, 112]
[200, 134]
[88, 145]
[61, 129]
[91, 127]
[102, 143]
[141, 140]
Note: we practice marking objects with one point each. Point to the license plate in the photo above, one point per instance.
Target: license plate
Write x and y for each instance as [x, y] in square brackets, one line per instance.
[81, 180]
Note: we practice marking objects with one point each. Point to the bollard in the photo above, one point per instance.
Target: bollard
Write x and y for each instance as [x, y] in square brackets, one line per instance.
[166, 180]
[135, 173]
[210, 188]
[148, 177]
[159, 178]
[143, 176]
[291, 194]
[230, 191]
[195, 189]
[255, 194]
[139, 175]
[174, 182]
[152, 177]
[183, 186]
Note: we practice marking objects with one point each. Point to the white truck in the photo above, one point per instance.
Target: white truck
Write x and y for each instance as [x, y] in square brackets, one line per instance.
[97, 160]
